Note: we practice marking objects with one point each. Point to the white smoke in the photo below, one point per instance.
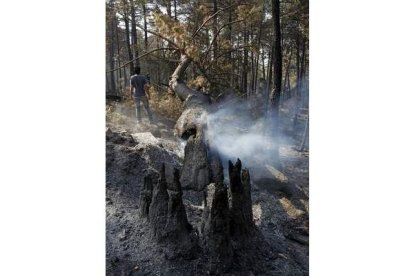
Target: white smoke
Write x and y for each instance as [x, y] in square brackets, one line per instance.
[237, 130]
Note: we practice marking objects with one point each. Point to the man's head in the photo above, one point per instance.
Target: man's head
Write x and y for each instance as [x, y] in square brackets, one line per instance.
[137, 70]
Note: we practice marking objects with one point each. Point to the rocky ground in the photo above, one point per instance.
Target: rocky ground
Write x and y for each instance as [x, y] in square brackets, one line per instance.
[280, 207]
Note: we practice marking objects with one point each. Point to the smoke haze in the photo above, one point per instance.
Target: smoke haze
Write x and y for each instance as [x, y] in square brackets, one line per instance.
[234, 132]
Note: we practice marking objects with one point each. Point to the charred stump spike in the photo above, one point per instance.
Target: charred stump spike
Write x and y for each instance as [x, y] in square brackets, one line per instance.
[241, 222]
[158, 209]
[177, 225]
[247, 201]
[145, 197]
[215, 228]
[216, 168]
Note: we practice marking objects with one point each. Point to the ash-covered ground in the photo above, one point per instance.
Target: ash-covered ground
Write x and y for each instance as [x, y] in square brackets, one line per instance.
[279, 201]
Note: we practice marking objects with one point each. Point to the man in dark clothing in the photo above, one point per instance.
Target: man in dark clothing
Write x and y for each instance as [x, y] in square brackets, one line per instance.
[137, 90]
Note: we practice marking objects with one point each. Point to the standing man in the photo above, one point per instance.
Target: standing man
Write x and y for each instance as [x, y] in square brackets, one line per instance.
[137, 90]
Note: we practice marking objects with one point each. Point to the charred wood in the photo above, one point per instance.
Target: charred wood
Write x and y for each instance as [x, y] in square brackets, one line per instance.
[215, 228]
[241, 223]
[158, 209]
[195, 173]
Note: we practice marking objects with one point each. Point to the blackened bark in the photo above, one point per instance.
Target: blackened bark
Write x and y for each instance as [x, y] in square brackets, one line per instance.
[215, 228]
[145, 196]
[177, 226]
[195, 172]
[158, 209]
[241, 224]
[216, 167]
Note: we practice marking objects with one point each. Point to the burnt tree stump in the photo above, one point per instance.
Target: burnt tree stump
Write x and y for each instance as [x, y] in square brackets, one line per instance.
[216, 167]
[158, 209]
[195, 173]
[215, 228]
[168, 217]
[241, 223]
[177, 225]
[145, 196]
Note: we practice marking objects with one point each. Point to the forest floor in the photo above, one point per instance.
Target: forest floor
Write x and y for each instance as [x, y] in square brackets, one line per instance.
[281, 211]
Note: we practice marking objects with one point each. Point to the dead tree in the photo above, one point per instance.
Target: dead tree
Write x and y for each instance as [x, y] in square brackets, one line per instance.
[190, 125]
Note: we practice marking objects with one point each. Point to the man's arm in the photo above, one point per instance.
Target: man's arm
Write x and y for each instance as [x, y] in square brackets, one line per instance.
[130, 88]
[146, 89]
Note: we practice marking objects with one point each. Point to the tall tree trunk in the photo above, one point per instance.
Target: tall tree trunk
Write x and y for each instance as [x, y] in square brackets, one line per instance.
[128, 43]
[229, 54]
[277, 74]
[144, 10]
[263, 64]
[175, 10]
[215, 30]
[269, 73]
[298, 81]
[256, 74]
[305, 135]
[252, 80]
[287, 70]
[245, 61]
[112, 26]
[169, 8]
[302, 73]
[134, 32]
[118, 47]
[229, 34]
